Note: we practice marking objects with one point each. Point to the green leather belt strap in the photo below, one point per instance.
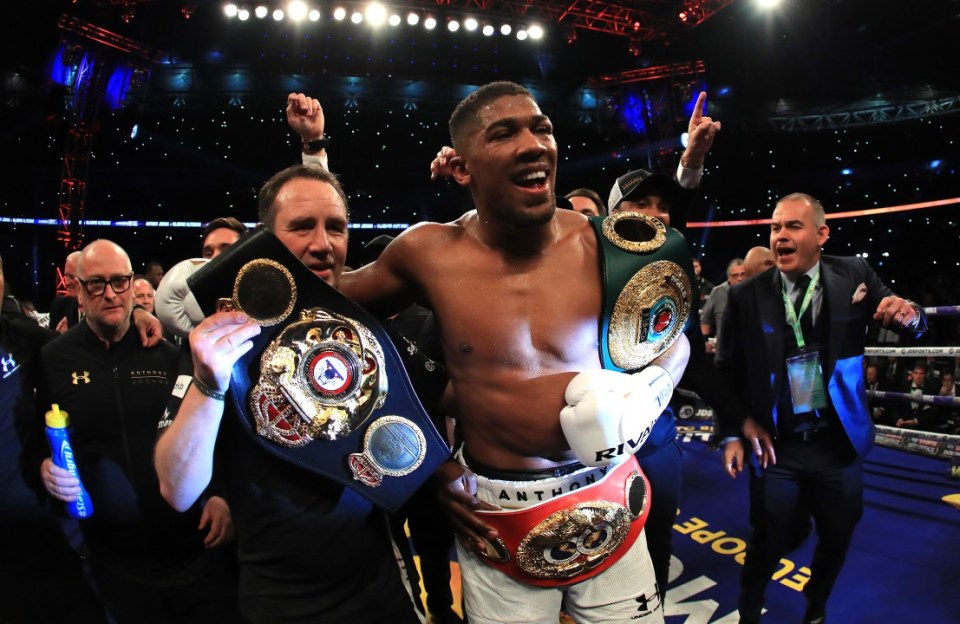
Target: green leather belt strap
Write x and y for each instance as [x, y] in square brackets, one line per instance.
[648, 288]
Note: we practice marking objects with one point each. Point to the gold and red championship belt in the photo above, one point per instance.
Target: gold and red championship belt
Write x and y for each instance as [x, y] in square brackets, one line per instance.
[573, 537]
[323, 387]
[648, 300]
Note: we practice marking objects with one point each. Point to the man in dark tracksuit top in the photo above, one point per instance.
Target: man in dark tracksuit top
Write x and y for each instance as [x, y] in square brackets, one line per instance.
[36, 555]
[660, 456]
[148, 561]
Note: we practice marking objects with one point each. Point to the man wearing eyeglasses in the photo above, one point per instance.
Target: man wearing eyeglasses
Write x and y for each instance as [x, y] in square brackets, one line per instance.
[150, 563]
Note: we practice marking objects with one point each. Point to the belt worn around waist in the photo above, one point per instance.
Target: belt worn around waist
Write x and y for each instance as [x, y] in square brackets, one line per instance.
[809, 435]
[573, 537]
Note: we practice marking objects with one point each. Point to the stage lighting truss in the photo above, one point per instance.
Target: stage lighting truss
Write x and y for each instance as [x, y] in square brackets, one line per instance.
[378, 15]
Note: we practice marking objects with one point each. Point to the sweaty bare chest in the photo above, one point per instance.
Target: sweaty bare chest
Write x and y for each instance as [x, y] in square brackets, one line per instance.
[533, 320]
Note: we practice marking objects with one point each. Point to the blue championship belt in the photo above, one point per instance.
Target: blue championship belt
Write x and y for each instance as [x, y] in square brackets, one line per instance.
[323, 386]
[648, 297]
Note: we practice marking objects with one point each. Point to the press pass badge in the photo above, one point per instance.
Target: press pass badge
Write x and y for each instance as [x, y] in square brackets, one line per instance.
[805, 376]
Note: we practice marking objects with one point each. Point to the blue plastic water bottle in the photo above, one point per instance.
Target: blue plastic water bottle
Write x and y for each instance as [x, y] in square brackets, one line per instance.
[62, 455]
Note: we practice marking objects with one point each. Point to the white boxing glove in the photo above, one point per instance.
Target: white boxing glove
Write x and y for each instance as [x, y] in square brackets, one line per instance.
[609, 415]
[175, 305]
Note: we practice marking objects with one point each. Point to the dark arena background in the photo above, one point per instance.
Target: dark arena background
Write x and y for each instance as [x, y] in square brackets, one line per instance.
[139, 120]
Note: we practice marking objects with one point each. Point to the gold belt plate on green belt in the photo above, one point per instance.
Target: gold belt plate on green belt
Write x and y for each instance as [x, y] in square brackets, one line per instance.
[655, 304]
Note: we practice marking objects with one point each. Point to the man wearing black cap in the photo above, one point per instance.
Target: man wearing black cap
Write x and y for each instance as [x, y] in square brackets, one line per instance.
[656, 195]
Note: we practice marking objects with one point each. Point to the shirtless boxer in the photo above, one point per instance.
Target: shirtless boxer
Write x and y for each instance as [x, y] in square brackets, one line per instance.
[516, 290]
[515, 286]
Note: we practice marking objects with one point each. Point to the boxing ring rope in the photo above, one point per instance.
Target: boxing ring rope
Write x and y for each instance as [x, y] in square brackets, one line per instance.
[933, 399]
[933, 444]
[942, 310]
[913, 351]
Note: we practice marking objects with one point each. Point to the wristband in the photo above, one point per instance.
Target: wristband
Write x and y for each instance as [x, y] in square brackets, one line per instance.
[208, 391]
[316, 145]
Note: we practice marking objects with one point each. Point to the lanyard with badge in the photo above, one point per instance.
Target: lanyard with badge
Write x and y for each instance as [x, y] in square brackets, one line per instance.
[804, 371]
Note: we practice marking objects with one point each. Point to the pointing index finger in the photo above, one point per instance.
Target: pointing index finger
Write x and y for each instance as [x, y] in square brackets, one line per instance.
[698, 107]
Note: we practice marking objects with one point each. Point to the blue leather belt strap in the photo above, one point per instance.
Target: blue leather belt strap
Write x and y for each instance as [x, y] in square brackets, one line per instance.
[391, 447]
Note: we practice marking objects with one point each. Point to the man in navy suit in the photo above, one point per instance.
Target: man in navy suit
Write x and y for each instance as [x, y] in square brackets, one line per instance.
[793, 349]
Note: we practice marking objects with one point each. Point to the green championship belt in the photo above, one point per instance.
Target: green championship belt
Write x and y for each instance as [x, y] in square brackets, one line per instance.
[648, 284]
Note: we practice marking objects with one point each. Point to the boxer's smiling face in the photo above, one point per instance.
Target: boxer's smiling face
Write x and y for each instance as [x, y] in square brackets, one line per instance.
[795, 239]
[510, 162]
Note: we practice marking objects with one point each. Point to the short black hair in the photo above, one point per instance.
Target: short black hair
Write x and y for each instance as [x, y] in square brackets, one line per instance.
[271, 188]
[467, 111]
[592, 196]
[229, 223]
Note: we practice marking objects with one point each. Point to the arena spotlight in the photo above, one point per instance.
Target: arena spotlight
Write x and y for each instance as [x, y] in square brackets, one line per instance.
[506, 29]
[430, 23]
[470, 24]
[339, 14]
[375, 14]
[243, 15]
[413, 18]
[297, 10]
[488, 30]
[394, 20]
[522, 34]
[453, 25]
[230, 10]
[356, 17]
[314, 15]
[535, 32]
[261, 11]
[278, 15]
